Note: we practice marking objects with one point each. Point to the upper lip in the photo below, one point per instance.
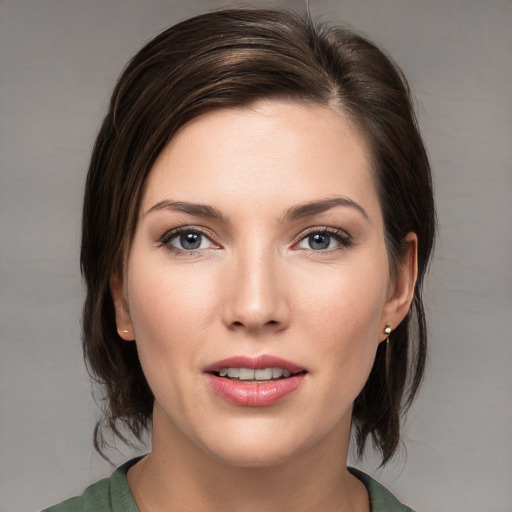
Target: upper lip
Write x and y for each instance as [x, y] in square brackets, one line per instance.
[254, 363]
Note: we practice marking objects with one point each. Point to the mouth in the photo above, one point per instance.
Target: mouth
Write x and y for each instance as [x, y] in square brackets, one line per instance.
[254, 382]
[259, 375]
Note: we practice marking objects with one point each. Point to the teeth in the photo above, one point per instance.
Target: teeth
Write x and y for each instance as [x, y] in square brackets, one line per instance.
[245, 374]
[250, 374]
[276, 373]
[265, 374]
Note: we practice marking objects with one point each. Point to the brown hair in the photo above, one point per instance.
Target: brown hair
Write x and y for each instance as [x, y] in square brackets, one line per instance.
[232, 58]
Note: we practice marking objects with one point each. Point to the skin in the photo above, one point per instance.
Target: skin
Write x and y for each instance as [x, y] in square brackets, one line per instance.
[257, 286]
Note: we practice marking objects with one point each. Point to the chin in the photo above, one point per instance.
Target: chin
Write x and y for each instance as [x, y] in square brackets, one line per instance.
[255, 456]
[262, 446]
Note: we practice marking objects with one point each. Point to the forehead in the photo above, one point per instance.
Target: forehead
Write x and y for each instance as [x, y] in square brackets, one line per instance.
[271, 152]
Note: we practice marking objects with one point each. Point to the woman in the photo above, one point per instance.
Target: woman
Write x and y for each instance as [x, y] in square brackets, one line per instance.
[258, 220]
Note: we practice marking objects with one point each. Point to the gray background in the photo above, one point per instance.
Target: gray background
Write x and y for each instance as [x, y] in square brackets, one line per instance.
[58, 62]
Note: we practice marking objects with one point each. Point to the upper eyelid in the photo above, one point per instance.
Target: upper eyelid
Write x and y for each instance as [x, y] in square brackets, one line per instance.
[345, 239]
[171, 233]
[189, 228]
[166, 241]
[324, 229]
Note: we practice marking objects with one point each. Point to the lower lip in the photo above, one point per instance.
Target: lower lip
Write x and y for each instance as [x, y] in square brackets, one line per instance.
[254, 394]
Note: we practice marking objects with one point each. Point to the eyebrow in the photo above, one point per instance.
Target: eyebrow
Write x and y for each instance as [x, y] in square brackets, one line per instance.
[315, 207]
[294, 213]
[199, 210]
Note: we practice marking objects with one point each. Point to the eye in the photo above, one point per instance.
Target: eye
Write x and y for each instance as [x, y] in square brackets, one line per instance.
[187, 240]
[326, 239]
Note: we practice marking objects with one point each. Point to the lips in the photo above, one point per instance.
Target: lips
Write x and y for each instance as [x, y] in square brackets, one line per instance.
[255, 363]
[254, 382]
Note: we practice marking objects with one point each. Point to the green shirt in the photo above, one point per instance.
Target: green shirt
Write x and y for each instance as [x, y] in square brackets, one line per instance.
[113, 495]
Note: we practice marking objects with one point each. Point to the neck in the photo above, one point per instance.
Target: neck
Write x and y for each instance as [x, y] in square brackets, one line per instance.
[178, 475]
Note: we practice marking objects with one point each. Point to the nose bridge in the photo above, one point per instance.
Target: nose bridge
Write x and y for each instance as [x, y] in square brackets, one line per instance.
[256, 295]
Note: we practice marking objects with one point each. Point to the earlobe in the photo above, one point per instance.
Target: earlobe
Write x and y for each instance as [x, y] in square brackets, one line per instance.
[123, 319]
[402, 288]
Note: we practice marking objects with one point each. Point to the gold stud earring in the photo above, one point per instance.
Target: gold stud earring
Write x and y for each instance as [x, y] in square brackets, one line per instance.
[387, 332]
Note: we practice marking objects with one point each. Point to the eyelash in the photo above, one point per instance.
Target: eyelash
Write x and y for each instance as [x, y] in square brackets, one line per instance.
[166, 239]
[342, 237]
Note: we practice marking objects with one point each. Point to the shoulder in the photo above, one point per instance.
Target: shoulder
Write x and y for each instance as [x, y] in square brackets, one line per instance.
[381, 499]
[108, 495]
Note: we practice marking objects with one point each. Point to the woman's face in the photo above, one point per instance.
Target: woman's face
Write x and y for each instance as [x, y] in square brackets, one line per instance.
[257, 286]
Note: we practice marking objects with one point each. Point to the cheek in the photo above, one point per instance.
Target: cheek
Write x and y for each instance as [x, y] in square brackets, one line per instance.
[343, 313]
[346, 299]
[161, 296]
[171, 312]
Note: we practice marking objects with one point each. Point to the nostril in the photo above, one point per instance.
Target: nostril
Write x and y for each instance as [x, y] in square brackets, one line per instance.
[238, 323]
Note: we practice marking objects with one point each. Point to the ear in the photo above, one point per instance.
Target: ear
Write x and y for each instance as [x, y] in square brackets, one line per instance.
[123, 320]
[401, 288]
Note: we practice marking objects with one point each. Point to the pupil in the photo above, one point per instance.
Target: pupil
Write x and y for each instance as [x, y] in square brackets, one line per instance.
[319, 241]
[190, 240]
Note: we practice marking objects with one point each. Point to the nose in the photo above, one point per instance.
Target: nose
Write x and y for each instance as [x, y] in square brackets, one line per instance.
[256, 294]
